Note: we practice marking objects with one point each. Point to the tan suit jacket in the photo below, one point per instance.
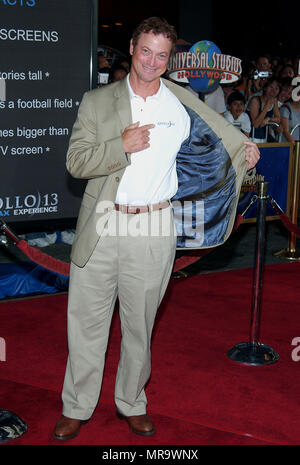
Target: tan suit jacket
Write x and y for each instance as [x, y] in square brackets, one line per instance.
[96, 153]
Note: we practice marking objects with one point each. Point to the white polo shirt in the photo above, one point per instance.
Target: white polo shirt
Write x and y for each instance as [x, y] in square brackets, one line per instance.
[243, 120]
[152, 177]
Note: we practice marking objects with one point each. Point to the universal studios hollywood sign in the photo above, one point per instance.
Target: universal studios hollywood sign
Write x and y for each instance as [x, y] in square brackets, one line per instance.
[203, 66]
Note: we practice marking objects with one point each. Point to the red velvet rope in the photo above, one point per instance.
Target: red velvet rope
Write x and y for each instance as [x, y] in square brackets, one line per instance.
[292, 227]
[58, 266]
[193, 256]
[46, 261]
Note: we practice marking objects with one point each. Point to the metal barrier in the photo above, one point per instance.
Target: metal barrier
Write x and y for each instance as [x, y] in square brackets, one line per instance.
[291, 253]
[254, 352]
[294, 128]
[265, 140]
[292, 131]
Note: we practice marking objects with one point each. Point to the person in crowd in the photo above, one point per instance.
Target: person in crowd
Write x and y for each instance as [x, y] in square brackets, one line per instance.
[286, 71]
[125, 142]
[102, 62]
[263, 109]
[235, 113]
[285, 93]
[245, 82]
[263, 63]
[296, 65]
[257, 82]
[103, 70]
[276, 64]
[118, 72]
[214, 99]
[290, 118]
[228, 89]
[125, 64]
[255, 87]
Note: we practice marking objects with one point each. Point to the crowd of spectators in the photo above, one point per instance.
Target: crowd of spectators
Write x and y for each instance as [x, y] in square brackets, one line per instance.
[261, 103]
[268, 89]
[113, 72]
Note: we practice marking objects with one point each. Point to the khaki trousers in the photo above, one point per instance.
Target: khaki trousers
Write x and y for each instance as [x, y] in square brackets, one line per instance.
[135, 268]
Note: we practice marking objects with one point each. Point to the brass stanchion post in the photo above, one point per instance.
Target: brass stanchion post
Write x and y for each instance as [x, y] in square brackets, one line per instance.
[291, 253]
[254, 352]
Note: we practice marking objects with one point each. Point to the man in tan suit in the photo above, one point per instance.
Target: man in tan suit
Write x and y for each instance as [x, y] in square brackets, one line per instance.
[125, 142]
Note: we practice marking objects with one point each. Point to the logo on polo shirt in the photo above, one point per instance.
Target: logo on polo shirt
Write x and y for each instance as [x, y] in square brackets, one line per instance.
[167, 124]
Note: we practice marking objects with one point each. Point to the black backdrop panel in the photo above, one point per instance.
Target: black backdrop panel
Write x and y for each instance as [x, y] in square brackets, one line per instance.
[45, 59]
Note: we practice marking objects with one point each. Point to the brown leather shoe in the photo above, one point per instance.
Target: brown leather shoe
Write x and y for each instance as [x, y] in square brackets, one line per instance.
[67, 428]
[139, 424]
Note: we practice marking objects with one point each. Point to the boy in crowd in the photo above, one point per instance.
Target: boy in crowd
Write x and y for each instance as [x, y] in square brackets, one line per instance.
[235, 113]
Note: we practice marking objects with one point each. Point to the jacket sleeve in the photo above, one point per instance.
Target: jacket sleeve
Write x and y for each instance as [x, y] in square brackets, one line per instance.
[90, 156]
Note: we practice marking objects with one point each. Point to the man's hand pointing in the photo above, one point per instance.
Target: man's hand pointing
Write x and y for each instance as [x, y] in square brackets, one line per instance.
[135, 138]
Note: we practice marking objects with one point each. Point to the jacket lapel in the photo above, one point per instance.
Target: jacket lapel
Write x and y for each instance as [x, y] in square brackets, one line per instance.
[122, 104]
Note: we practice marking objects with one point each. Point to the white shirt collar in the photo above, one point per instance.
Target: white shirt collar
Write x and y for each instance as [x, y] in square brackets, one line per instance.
[132, 94]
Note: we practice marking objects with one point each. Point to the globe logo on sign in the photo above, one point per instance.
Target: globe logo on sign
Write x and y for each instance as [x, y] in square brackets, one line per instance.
[207, 83]
[203, 67]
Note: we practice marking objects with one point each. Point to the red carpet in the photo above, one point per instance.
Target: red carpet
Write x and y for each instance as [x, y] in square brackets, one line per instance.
[197, 395]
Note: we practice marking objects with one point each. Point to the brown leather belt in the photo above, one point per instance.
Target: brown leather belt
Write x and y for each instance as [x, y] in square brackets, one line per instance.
[133, 209]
